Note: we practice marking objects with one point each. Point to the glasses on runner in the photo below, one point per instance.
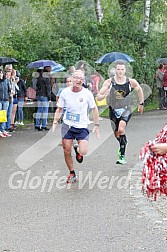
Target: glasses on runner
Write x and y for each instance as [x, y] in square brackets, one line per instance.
[78, 77]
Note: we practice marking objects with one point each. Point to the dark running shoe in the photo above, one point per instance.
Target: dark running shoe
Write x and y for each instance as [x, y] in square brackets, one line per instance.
[45, 128]
[71, 178]
[10, 130]
[79, 157]
[13, 126]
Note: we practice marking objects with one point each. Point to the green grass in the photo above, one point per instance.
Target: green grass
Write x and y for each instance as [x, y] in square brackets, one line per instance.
[105, 113]
[151, 106]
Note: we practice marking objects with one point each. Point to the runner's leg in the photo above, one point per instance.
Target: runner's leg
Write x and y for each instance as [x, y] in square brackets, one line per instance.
[67, 147]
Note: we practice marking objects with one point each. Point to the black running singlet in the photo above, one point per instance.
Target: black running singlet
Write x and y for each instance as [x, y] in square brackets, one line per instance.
[119, 96]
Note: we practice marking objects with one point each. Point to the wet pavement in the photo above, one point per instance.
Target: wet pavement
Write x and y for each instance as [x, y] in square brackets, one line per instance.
[105, 211]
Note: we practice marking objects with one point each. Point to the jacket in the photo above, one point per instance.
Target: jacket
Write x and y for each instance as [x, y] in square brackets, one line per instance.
[22, 88]
[43, 87]
[159, 78]
[4, 90]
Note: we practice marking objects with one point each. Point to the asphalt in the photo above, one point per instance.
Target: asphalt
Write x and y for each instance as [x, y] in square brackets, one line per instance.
[105, 211]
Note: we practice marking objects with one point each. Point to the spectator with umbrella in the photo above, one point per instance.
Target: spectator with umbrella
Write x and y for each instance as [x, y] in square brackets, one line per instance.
[165, 83]
[43, 89]
[7, 61]
[21, 97]
[159, 82]
[43, 92]
[4, 101]
[10, 74]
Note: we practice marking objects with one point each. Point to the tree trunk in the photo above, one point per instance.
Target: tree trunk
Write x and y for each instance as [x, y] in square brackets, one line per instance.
[98, 9]
[147, 16]
[146, 24]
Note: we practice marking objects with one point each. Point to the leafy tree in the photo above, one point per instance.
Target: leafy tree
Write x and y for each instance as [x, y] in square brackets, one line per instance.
[68, 31]
[126, 6]
[10, 3]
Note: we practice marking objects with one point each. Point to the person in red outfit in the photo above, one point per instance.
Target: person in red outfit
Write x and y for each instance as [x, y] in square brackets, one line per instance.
[154, 173]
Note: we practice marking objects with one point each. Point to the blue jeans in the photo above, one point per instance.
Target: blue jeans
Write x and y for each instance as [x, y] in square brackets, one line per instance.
[3, 106]
[20, 115]
[9, 113]
[42, 111]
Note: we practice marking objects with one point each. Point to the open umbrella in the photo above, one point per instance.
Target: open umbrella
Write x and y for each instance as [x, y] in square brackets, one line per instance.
[113, 56]
[42, 63]
[162, 61]
[57, 68]
[7, 60]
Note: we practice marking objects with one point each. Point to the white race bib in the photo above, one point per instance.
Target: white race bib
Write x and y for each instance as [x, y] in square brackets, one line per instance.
[119, 112]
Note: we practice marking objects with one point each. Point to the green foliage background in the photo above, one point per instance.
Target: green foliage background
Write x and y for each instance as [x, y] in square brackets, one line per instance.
[68, 31]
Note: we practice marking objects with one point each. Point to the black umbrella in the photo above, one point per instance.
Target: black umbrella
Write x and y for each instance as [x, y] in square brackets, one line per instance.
[162, 61]
[7, 60]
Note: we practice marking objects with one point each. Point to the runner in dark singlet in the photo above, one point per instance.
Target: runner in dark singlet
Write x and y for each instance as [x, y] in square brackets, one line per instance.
[117, 90]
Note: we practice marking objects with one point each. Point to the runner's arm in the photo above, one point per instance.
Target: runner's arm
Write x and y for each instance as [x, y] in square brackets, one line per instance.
[96, 121]
[104, 91]
[57, 116]
[138, 89]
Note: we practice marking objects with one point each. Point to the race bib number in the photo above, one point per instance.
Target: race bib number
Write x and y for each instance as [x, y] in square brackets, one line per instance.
[119, 112]
[72, 117]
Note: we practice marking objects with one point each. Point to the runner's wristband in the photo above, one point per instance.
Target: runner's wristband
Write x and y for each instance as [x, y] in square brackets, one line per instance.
[55, 122]
[142, 103]
[97, 124]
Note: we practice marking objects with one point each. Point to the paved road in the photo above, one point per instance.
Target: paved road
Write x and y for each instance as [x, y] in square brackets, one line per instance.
[103, 212]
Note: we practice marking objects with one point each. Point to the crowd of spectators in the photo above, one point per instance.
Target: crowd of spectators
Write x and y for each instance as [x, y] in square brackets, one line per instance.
[12, 97]
[45, 92]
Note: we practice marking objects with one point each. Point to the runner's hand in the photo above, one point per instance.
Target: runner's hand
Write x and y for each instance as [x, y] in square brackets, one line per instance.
[140, 109]
[97, 131]
[160, 148]
[54, 126]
